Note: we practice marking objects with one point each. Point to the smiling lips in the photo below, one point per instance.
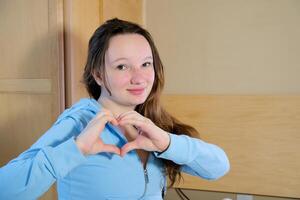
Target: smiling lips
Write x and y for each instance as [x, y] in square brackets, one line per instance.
[137, 91]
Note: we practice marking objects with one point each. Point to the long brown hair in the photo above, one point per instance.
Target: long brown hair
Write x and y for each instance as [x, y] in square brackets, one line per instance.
[151, 108]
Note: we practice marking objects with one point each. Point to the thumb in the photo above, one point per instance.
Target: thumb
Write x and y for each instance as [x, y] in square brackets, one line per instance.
[111, 148]
[128, 147]
[100, 147]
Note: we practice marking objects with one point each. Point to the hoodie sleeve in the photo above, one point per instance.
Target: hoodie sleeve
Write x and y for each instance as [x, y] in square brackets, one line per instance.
[196, 157]
[52, 157]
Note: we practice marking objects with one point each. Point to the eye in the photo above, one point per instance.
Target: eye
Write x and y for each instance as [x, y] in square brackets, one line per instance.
[121, 67]
[147, 64]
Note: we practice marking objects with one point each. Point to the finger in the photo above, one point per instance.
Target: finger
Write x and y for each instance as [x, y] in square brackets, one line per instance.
[129, 113]
[109, 118]
[137, 123]
[97, 125]
[95, 120]
[114, 122]
[111, 148]
[128, 147]
[100, 114]
[135, 116]
[125, 113]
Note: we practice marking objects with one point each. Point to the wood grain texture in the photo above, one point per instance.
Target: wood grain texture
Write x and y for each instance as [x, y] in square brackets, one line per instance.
[260, 134]
[81, 20]
[26, 85]
[31, 74]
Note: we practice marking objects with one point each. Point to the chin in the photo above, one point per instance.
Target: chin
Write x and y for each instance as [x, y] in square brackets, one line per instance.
[137, 102]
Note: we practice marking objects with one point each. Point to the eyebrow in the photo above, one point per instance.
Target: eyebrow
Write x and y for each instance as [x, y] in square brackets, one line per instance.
[122, 58]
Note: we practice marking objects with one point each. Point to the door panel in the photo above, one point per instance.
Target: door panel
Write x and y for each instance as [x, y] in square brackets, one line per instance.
[31, 71]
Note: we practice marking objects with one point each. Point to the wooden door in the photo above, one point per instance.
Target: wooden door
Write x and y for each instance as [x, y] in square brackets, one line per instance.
[31, 71]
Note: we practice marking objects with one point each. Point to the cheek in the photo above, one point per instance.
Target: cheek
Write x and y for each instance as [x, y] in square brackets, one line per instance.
[151, 76]
[120, 81]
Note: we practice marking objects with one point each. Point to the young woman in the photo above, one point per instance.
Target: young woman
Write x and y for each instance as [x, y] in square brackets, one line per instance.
[119, 143]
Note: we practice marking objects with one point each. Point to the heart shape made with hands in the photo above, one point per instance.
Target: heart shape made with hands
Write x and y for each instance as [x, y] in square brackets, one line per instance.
[140, 132]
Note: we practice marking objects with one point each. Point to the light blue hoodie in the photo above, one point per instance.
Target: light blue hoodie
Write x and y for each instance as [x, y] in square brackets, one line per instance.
[55, 157]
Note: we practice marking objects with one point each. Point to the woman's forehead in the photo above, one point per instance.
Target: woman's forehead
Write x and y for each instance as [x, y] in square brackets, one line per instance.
[128, 46]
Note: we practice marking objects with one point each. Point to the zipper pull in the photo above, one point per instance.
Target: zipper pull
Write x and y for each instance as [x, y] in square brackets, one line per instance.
[146, 175]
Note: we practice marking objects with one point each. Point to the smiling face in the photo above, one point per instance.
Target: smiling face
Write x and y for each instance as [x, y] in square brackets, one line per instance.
[129, 70]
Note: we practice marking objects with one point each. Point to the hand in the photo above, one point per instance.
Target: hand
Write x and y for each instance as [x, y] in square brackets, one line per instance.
[89, 141]
[150, 137]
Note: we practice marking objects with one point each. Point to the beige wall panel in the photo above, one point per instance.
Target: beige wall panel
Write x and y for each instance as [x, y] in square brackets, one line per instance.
[260, 134]
[227, 47]
[207, 195]
[251, 47]
[199, 195]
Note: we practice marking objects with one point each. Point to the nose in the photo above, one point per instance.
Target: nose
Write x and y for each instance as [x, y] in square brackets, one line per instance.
[137, 76]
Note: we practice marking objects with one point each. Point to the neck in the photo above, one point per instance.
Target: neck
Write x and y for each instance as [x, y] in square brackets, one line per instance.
[114, 107]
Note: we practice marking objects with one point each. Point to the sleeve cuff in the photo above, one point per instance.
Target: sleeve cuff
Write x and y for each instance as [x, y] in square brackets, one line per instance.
[174, 151]
[159, 153]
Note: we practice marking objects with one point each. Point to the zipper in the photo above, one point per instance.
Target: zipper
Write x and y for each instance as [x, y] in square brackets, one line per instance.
[145, 172]
[146, 182]
[146, 177]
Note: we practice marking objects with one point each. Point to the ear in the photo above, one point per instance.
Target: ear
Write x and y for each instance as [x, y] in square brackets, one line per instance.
[98, 78]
